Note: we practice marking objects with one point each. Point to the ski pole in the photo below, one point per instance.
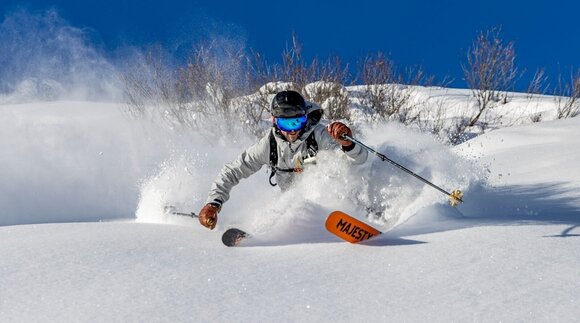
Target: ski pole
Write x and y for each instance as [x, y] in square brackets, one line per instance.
[192, 215]
[171, 209]
[455, 196]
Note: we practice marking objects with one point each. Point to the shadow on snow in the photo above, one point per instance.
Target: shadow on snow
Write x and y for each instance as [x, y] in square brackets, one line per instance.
[551, 203]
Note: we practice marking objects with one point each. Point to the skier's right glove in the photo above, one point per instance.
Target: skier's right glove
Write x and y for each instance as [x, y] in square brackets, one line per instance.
[208, 215]
[336, 130]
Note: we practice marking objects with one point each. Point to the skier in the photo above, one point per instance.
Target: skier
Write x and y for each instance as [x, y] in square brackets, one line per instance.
[295, 138]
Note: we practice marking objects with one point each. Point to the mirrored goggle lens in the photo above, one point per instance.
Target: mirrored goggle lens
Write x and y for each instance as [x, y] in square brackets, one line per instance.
[291, 124]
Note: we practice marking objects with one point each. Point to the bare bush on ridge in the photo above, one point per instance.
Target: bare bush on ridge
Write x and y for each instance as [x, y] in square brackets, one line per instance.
[568, 97]
[221, 90]
[433, 118]
[213, 78]
[202, 95]
[328, 89]
[332, 97]
[388, 94]
[149, 84]
[538, 84]
[490, 72]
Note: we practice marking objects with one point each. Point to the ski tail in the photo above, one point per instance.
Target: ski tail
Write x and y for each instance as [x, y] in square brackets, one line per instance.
[348, 228]
[233, 237]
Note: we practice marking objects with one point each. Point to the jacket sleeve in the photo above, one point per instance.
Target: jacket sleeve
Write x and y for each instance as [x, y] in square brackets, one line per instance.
[358, 155]
[246, 164]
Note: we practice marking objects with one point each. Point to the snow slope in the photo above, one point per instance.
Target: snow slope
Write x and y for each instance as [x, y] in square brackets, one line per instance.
[101, 272]
[509, 253]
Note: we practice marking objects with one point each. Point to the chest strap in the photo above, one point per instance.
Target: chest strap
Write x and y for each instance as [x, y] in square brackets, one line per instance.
[311, 147]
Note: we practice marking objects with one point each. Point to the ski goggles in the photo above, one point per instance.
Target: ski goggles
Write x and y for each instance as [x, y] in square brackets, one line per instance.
[291, 124]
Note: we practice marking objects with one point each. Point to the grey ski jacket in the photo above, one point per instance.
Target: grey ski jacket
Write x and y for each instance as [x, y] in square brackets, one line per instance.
[290, 155]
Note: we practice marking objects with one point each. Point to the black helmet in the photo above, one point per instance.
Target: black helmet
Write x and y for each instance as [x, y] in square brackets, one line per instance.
[288, 104]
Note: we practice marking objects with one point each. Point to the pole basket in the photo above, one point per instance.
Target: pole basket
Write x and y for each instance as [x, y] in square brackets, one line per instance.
[455, 198]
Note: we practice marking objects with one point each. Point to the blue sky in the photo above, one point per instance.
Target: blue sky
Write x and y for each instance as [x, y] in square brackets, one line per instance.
[435, 34]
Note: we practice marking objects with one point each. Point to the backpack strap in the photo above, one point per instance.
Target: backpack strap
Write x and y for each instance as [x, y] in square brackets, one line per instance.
[311, 147]
[273, 157]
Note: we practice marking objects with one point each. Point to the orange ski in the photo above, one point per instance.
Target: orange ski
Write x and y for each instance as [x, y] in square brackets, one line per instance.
[348, 228]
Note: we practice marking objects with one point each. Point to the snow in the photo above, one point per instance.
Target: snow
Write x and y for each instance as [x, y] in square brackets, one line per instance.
[83, 236]
[143, 272]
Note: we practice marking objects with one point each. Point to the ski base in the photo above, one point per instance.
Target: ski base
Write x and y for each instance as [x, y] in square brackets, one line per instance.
[233, 237]
[348, 228]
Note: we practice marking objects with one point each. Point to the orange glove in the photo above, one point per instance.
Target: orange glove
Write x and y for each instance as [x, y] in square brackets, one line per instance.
[336, 130]
[208, 215]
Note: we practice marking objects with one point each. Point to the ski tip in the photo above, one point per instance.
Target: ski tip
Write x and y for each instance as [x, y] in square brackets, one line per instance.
[233, 237]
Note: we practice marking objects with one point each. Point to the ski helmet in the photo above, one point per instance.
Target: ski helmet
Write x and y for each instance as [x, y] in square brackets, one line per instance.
[288, 104]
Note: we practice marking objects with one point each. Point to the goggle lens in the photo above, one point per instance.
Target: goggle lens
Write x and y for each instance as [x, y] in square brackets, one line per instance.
[291, 124]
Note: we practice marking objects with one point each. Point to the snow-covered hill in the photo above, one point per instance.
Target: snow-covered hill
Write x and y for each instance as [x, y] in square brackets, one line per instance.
[509, 253]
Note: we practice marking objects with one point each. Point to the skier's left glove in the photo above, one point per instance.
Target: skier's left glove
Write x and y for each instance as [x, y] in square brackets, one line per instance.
[208, 215]
[337, 130]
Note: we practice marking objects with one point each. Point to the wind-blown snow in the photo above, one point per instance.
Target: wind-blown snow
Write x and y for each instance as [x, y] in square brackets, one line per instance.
[45, 58]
